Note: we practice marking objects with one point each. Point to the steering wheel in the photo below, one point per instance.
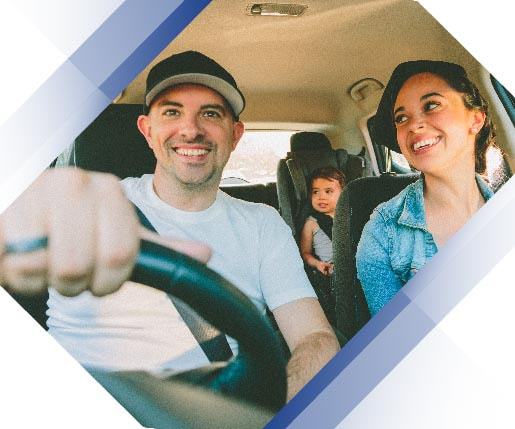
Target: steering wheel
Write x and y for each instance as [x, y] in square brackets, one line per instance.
[257, 374]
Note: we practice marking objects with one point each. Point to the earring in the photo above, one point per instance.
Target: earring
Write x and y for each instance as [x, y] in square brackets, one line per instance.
[474, 130]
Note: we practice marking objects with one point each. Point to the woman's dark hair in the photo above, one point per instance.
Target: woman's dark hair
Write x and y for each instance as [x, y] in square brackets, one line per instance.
[383, 128]
[473, 100]
[328, 173]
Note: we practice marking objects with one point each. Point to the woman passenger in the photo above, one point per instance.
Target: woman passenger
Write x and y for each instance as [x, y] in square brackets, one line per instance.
[442, 126]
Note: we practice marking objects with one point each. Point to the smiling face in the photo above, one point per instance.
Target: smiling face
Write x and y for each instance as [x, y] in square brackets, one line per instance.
[192, 133]
[324, 195]
[434, 128]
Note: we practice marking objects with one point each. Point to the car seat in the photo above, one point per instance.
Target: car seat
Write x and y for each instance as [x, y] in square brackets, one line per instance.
[353, 210]
[309, 151]
[113, 144]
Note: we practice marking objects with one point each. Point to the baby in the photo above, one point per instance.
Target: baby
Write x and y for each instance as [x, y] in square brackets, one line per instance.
[316, 247]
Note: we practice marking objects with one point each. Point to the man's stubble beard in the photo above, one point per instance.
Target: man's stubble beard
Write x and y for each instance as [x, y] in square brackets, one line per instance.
[211, 181]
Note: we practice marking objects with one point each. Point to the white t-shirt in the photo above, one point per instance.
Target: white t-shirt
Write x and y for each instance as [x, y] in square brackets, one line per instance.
[138, 327]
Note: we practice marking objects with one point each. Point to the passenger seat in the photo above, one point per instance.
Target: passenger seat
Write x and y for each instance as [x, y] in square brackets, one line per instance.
[353, 211]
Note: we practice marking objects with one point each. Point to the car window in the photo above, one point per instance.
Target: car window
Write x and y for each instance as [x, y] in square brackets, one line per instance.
[255, 158]
[399, 163]
[506, 97]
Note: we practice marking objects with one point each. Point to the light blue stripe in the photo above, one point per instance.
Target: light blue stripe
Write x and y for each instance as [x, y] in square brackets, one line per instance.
[41, 118]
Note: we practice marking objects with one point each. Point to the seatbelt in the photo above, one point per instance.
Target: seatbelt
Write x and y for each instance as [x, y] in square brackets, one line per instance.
[325, 222]
[211, 340]
[298, 177]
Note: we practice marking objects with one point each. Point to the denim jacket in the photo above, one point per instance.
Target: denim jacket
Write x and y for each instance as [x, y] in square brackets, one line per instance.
[396, 243]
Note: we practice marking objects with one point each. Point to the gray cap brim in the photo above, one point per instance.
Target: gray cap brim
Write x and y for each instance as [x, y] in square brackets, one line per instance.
[231, 95]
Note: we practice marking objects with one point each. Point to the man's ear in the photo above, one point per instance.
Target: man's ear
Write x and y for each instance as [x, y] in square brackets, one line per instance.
[144, 128]
[238, 131]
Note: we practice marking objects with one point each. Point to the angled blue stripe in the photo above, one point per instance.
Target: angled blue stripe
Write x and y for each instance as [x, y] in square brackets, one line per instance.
[152, 46]
[342, 360]
[406, 319]
[119, 36]
[85, 84]
[130, 38]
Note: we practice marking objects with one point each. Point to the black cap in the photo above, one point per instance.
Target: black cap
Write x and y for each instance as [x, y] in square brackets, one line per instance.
[196, 68]
[383, 129]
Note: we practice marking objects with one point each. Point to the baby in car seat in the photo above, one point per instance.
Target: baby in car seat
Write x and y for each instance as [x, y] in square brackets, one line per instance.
[326, 185]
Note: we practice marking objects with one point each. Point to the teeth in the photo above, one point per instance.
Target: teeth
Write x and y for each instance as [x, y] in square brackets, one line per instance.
[191, 152]
[425, 143]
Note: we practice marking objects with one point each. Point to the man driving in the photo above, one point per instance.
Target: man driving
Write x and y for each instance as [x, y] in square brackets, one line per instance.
[191, 122]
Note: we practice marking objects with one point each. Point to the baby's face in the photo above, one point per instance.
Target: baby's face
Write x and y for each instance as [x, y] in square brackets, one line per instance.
[324, 195]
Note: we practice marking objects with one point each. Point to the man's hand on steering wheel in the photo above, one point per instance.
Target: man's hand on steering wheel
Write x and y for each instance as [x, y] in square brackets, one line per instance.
[75, 230]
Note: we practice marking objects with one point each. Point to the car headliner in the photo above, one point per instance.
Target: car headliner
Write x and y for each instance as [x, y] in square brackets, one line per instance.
[297, 72]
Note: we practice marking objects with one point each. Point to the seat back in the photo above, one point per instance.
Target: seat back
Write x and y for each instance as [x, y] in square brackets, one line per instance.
[309, 151]
[353, 210]
[257, 192]
[113, 144]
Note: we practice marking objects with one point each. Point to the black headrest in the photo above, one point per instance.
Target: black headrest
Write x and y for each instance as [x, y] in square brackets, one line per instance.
[113, 144]
[307, 140]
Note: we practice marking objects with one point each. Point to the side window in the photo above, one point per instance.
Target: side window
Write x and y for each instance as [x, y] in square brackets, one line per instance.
[497, 167]
[399, 163]
[506, 98]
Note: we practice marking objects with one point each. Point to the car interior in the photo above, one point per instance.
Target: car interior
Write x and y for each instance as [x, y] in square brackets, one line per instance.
[315, 70]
